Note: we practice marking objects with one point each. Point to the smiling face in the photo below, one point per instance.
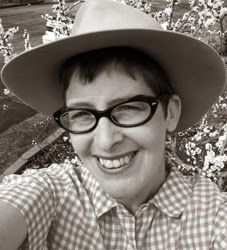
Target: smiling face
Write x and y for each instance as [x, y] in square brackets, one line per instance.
[127, 162]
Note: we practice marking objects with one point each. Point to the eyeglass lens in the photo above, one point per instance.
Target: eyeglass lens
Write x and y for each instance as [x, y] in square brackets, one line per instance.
[127, 114]
[78, 120]
[131, 113]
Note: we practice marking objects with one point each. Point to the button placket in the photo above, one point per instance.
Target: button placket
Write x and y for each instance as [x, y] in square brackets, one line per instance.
[128, 223]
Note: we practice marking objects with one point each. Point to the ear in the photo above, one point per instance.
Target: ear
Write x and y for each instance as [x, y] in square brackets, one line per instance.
[173, 113]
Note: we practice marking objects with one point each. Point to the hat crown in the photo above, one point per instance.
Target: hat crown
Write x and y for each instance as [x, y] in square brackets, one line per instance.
[100, 15]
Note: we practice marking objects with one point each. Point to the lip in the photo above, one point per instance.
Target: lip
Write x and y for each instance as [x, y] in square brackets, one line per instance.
[115, 170]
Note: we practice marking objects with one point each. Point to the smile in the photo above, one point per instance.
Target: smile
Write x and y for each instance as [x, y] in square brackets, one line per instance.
[117, 162]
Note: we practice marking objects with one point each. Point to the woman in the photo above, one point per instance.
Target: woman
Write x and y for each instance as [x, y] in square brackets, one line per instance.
[119, 84]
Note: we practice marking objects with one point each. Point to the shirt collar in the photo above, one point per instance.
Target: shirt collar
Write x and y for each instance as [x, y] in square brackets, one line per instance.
[172, 196]
[100, 200]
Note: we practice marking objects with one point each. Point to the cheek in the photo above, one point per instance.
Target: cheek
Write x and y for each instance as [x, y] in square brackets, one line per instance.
[152, 143]
[80, 144]
[151, 156]
[151, 136]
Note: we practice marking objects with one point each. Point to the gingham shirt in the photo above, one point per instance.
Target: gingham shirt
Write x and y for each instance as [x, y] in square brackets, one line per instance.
[65, 208]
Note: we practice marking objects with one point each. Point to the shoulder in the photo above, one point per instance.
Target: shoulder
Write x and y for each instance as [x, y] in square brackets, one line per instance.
[205, 201]
[53, 173]
[206, 211]
[209, 198]
[49, 182]
[37, 195]
[206, 191]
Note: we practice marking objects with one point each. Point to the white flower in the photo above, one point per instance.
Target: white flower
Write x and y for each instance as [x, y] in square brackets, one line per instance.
[168, 11]
[197, 137]
[201, 2]
[220, 98]
[203, 173]
[74, 160]
[5, 107]
[67, 161]
[209, 22]
[223, 11]
[225, 128]
[206, 130]
[1, 27]
[34, 142]
[65, 138]
[6, 92]
[164, 25]
[209, 174]
[208, 146]
[198, 150]
[213, 134]
[221, 140]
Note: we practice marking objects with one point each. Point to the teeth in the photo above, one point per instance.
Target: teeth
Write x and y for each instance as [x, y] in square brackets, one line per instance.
[121, 161]
[101, 161]
[108, 164]
[127, 159]
[116, 163]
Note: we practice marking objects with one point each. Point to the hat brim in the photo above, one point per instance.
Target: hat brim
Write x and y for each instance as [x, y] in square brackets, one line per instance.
[196, 72]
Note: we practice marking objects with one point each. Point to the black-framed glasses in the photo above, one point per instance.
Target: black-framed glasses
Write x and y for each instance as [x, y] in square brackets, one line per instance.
[130, 113]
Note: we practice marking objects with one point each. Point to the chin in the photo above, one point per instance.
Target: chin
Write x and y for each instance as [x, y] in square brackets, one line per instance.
[120, 190]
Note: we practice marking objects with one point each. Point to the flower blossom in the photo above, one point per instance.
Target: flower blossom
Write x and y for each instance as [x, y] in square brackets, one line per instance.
[1, 27]
[6, 92]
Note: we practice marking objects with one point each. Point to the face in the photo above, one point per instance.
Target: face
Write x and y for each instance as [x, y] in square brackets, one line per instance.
[127, 162]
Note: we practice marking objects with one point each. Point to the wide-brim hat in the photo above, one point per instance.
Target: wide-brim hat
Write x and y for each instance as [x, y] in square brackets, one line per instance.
[195, 70]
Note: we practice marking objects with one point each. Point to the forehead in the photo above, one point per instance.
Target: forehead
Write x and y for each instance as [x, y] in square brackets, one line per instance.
[107, 86]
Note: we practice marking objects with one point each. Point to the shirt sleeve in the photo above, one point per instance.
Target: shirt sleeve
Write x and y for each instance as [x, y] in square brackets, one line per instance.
[219, 236]
[31, 193]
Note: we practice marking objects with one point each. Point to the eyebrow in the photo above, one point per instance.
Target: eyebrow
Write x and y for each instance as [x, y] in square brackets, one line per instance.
[88, 104]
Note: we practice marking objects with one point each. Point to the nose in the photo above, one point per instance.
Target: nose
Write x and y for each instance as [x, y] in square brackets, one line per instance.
[107, 135]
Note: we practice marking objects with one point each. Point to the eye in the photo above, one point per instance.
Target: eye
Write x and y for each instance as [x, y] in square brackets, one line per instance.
[128, 107]
[131, 112]
[77, 115]
[78, 120]
[132, 107]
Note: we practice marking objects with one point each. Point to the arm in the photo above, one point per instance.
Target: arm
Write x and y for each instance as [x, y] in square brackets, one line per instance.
[13, 228]
[31, 199]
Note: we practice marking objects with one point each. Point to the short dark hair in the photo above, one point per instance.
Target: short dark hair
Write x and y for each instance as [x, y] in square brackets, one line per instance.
[124, 59]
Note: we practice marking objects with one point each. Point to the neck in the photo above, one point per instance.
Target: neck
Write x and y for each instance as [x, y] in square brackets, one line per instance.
[132, 204]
